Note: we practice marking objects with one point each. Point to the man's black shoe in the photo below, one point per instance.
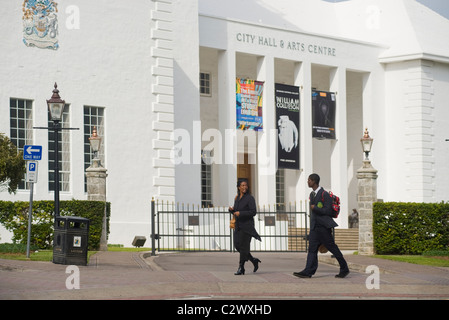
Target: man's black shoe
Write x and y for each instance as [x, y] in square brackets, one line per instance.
[301, 275]
[342, 274]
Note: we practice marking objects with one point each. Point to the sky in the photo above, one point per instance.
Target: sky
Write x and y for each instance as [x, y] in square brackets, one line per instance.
[439, 6]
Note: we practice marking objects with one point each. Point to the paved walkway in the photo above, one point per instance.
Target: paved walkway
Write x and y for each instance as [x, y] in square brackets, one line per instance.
[210, 275]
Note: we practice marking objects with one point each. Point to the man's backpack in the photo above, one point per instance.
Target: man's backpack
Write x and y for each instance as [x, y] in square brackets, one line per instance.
[335, 203]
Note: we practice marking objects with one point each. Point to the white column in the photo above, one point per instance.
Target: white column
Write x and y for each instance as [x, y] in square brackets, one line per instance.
[186, 97]
[163, 104]
[339, 156]
[227, 118]
[303, 79]
[266, 148]
[368, 101]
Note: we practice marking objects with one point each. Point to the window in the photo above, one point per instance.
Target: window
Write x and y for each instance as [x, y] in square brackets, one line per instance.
[93, 117]
[63, 153]
[21, 126]
[205, 84]
[206, 180]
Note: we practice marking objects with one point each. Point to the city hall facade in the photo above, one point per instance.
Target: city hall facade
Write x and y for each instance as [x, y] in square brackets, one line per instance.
[190, 95]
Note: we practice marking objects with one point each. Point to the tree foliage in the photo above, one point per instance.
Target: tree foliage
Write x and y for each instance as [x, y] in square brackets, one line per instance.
[12, 165]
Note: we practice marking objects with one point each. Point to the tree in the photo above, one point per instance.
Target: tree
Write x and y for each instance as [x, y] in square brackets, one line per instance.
[12, 165]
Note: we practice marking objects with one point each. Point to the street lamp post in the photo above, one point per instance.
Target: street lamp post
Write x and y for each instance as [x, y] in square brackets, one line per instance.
[56, 109]
[367, 143]
[95, 142]
[367, 195]
[96, 183]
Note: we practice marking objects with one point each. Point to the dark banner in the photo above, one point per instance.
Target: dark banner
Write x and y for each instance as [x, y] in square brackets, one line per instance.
[323, 114]
[287, 123]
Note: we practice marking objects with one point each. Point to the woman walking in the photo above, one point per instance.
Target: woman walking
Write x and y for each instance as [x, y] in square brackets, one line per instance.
[244, 210]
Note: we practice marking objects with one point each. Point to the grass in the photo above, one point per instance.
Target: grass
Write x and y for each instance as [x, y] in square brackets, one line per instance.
[435, 261]
[18, 252]
[40, 255]
[112, 247]
[436, 258]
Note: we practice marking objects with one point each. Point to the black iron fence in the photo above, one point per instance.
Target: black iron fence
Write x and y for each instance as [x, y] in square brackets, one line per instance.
[184, 227]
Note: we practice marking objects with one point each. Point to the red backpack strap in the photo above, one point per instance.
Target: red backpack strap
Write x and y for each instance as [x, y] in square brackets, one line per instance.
[322, 194]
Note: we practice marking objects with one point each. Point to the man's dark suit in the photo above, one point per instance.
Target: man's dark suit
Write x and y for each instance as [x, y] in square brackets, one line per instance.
[321, 224]
[321, 216]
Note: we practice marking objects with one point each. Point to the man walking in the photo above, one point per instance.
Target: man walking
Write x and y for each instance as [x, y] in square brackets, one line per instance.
[321, 224]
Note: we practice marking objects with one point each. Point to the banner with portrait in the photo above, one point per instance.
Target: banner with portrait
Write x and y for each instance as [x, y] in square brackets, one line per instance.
[323, 114]
[249, 104]
[287, 123]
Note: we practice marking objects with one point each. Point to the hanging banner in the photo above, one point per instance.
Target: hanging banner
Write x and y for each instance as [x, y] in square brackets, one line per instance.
[249, 104]
[323, 114]
[287, 122]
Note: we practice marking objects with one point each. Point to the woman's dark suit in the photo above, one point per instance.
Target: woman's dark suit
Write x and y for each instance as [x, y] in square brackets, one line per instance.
[244, 225]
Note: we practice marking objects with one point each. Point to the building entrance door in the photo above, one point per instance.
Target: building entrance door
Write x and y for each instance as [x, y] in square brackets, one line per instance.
[244, 170]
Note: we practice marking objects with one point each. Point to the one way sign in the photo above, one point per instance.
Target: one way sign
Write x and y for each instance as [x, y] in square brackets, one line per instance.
[32, 152]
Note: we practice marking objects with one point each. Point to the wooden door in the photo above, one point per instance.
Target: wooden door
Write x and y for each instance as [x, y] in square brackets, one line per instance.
[244, 170]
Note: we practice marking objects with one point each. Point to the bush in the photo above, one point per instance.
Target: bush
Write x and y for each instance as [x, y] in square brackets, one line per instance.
[14, 216]
[410, 228]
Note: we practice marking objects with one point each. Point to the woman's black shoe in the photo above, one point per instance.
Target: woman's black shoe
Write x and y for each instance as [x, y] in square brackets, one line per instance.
[256, 262]
[241, 270]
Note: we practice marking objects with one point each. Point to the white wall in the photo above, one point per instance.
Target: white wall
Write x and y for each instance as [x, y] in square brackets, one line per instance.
[104, 63]
[416, 150]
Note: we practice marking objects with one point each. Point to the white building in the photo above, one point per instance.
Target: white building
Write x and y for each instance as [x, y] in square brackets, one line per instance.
[133, 69]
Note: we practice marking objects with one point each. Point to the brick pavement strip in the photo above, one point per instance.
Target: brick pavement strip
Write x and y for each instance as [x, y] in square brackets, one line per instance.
[112, 275]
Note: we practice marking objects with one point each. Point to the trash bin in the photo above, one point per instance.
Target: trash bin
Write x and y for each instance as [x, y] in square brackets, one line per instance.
[70, 240]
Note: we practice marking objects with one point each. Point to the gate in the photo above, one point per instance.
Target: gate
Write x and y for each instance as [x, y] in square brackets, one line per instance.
[192, 228]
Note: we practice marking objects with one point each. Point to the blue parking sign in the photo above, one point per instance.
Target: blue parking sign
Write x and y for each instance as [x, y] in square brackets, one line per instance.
[32, 152]
[32, 171]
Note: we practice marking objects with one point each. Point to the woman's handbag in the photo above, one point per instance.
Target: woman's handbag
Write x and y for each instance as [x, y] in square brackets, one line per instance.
[322, 249]
[232, 223]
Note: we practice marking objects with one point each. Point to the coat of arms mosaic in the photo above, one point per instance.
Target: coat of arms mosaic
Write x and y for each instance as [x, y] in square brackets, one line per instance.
[40, 23]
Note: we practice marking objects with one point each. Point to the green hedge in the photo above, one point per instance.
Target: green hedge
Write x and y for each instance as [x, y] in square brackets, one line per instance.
[14, 217]
[410, 228]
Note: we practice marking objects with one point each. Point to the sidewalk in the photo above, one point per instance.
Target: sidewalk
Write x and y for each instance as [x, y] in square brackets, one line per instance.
[210, 275]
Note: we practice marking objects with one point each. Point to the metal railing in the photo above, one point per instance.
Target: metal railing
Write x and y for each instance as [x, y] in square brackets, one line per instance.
[184, 227]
